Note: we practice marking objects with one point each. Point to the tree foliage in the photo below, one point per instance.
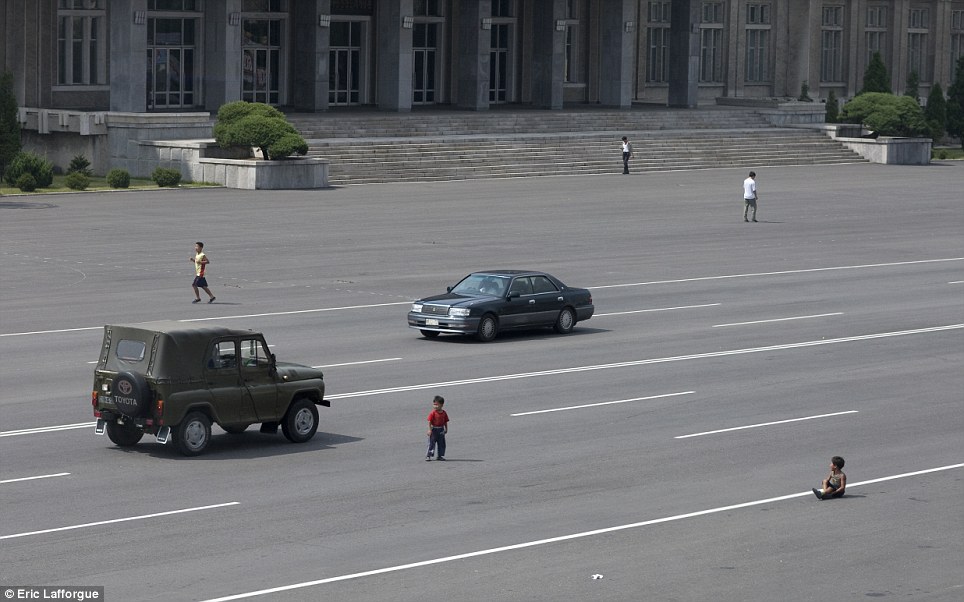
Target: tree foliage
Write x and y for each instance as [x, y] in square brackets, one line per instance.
[833, 108]
[875, 77]
[935, 113]
[38, 167]
[912, 85]
[955, 103]
[9, 126]
[255, 124]
[886, 114]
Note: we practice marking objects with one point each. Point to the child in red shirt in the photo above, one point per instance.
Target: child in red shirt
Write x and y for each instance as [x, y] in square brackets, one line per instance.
[438, 427]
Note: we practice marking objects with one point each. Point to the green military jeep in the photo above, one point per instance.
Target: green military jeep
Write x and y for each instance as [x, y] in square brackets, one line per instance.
[173, 379]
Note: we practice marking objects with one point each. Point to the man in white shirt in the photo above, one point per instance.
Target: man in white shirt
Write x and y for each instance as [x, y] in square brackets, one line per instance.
[749, 196]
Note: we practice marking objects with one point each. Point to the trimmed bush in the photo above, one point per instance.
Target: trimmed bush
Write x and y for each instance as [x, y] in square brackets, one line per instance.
[256, 124]
[80, 164]
[166, 177]
[26, 183]
[119, 178]
[77, 180]
[886, 114]
[41, 169]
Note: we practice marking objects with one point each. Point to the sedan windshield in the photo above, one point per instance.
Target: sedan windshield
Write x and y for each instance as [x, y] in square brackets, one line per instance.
[482, 284]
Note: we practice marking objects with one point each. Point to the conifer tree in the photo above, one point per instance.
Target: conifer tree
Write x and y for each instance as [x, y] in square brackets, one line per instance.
[955, 103]
[875, 77]
[935, 113]
[9, 126]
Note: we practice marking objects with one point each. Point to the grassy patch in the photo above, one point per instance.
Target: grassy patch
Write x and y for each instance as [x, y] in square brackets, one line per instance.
[949, 154]
[98, 183]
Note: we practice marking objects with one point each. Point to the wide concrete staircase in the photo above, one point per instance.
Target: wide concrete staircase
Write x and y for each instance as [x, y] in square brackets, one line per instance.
[366, 147]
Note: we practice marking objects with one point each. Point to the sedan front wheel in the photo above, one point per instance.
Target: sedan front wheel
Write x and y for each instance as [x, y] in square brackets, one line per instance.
[488, 328]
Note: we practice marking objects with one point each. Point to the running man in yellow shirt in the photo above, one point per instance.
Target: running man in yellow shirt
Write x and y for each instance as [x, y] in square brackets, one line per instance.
[200, 261]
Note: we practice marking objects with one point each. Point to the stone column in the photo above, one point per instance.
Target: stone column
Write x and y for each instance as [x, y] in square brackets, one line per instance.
[309, 64]
[128, 58]
[473, 54]
[394, 71]
[617, 52]
[548, 54]
[684, 53]
[222, 61]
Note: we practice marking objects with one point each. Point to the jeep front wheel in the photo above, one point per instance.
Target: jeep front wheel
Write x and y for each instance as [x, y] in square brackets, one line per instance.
[123, 435]
[301, 421]
[193, 434]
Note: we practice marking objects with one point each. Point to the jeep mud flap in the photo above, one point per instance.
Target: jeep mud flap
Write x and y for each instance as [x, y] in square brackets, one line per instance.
[163, 435]
[323, 402]
[101, 428]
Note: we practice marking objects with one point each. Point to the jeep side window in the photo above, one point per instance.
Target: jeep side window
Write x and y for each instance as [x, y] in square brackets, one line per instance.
[254, 353]
[223, 356]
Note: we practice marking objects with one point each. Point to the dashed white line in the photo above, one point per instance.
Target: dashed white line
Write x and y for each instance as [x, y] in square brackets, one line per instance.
[562, 538]
[42, 476]
[117, 520]
[753, 426]
[602, 403]
[642, 311]
[387, 359]
[838, 313]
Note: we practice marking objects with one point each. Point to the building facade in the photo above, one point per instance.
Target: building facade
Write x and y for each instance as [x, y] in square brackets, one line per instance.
[157, 56]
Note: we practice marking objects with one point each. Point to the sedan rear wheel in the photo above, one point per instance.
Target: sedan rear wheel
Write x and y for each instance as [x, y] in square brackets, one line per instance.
[565, 322]
[488, 328]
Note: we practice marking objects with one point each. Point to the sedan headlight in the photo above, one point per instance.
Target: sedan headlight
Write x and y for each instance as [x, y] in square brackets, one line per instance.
[417, 308]
[459, 312]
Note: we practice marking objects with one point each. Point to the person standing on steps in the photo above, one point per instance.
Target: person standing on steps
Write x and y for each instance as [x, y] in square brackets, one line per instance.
[627, 154]
[749, 196]
[200, 261]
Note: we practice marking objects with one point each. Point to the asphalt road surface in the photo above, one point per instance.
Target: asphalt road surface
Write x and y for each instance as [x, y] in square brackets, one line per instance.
[665, 450]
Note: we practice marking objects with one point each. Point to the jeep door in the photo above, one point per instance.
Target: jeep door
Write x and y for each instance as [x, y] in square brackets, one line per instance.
[260, 382]
[231, 404]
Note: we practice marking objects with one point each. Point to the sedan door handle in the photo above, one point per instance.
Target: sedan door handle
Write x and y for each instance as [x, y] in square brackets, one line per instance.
[532, 301]
[560, 299]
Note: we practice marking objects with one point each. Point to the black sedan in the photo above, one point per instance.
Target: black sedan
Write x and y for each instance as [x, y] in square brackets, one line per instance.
[483, 303]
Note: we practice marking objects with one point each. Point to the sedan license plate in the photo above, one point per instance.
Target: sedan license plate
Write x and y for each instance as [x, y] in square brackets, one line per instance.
[431, 322]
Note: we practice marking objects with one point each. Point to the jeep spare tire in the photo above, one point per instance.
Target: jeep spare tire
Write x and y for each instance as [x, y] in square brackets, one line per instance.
[132, 395]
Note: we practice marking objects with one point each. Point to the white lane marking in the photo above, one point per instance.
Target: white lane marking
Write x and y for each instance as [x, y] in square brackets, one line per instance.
[702, 278]
[678, 358]
[298, 311]
[561, 538]
[277, 313]
[838, 313]
[781, 273]
[602, 403]
[42, 476]
[956, 282]
[118, 520]
[659, 360]
[387, 359]
[641, 311]
[47, 429]
[753, 426]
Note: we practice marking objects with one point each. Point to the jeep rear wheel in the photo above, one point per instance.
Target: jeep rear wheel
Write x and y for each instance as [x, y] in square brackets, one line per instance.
[193, 434]
[301, 421]
[123, 435]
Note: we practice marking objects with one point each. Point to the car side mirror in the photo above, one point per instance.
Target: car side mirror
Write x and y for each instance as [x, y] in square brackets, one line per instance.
[514, 295]
[448, 289]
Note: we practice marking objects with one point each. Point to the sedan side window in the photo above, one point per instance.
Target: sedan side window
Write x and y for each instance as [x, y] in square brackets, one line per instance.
[521, 286]
[541, 284]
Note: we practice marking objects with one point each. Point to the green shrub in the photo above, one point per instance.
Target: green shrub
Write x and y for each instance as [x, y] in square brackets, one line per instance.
[912, 86]
[886, 114]
[77, 181]
[942, 154]
[259, 125]
[118, 178]
[26, 183]
[80, 164]
[166, 177]
[287, 145]
[935, 113]
[41, 169]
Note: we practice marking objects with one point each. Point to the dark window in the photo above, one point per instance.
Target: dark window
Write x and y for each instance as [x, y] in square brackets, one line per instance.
[130, 351]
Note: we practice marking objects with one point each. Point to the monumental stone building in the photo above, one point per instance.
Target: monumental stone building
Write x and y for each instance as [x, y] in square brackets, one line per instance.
[155, 66]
